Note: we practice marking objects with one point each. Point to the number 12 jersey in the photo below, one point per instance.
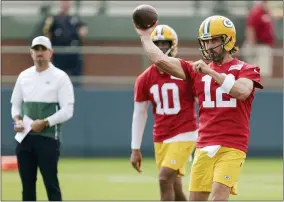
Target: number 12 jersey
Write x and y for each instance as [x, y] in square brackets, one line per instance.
[223, 119]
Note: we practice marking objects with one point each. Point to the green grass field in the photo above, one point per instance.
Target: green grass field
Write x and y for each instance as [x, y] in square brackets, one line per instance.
[114, 179]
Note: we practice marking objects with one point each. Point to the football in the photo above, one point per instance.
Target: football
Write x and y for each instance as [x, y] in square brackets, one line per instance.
[144, 16]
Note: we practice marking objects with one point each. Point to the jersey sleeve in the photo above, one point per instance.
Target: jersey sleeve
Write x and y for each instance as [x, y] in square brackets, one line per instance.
[140, 92]
[188, 70]
[16, 98]
[66, 101]
[252, 73]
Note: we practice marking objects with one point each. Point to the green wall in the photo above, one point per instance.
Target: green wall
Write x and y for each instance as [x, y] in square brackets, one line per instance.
[105, 128]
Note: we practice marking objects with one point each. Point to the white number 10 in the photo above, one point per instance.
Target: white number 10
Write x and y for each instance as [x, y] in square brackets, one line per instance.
[208, 103]
[165, 98]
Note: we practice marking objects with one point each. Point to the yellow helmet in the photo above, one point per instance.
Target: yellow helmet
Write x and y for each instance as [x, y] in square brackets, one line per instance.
[217, 26]
[166, 33]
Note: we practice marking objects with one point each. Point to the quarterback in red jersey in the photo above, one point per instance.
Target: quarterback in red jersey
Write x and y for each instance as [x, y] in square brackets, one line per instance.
[175, 128]
[225, 88]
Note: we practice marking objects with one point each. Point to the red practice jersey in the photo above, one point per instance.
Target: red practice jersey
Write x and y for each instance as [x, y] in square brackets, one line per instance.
[223, 120]
[259, 19]
[172, 100]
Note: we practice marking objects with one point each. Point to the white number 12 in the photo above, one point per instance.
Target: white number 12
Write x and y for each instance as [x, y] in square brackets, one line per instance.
[208, 103]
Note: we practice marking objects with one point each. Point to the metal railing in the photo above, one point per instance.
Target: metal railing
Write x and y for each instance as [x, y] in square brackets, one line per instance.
[118, 80]
[118, 50]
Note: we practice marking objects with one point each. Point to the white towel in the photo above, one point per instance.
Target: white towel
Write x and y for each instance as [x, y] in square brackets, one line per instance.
[211, 150]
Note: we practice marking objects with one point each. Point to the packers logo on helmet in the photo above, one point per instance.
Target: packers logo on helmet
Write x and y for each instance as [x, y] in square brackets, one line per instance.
[217, 26]
[228, 23]
[166, 33]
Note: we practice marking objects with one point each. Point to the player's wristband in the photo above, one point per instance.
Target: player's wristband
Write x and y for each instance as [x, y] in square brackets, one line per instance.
[228, 83]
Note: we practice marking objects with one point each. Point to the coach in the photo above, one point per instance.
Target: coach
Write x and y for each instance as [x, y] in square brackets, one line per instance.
[45, 94]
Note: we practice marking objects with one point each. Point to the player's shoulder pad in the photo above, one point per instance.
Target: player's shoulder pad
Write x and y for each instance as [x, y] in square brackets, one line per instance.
[253, 70]
[249, 67]
[238, 65]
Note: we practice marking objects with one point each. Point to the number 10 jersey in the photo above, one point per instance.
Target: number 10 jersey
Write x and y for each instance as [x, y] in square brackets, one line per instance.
[172, 100]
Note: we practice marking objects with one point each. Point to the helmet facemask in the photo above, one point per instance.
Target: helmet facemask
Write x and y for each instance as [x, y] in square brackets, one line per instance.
[210, 54]
[167, 51]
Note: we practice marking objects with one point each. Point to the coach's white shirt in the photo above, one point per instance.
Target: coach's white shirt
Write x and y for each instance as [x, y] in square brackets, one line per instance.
[49, 86]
